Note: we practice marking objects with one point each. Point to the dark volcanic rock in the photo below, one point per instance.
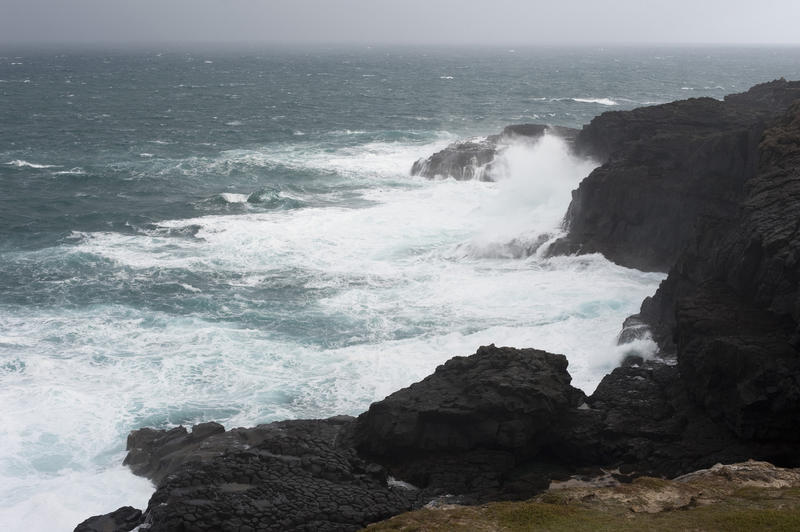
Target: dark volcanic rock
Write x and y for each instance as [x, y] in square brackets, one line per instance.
[737, 362]
[640, 417]
[291, 475]
[500, 397]
[666, 167]
[156, 453]
[476, 418]
[734, 296]
[463, 161]
[121, 520]
[472, 159]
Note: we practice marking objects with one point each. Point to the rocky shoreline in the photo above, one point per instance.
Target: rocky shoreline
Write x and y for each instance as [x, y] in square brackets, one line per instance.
[706, 190]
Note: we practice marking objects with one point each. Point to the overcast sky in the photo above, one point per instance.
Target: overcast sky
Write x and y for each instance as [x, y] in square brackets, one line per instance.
[499, 22]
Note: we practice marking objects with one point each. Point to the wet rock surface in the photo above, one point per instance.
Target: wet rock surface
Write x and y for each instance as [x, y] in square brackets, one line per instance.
[497, 425]
[472, 159]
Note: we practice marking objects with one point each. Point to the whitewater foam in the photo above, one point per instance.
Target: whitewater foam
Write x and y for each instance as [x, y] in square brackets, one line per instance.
[20, 163]
[601, 101]
[71, 171]
[302, 312]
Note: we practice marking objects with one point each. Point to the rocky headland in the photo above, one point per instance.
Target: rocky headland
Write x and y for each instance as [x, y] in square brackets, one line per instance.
[706, 190]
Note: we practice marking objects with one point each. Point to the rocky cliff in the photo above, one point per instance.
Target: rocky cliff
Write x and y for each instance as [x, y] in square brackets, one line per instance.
[730, 307]
[708, 190]
[666, 170]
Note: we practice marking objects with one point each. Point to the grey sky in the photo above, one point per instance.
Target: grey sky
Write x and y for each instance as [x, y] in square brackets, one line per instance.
[402, 21]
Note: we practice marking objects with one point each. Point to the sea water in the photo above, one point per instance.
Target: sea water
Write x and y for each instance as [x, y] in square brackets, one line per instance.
[188, 235]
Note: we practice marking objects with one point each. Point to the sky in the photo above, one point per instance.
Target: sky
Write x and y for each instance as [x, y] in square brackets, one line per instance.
[448, 22]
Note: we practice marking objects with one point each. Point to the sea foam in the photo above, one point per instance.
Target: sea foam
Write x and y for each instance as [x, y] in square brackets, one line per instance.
[290, 313]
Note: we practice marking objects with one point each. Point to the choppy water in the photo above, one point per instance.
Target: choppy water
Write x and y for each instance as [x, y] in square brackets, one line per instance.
[233, 236]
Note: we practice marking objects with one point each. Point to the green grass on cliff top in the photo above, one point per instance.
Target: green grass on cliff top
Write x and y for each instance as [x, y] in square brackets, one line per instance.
[749, 509]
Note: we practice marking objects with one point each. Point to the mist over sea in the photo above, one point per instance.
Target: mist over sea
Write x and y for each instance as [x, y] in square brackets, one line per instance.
[234, 236]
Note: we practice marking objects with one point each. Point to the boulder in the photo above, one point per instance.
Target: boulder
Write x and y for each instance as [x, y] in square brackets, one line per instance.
[471, 425]
[499, 398]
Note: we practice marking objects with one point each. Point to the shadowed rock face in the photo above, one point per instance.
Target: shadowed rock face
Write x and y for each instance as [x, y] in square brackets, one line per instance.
[471, 159]
[666, 169]
[503, 398]
[731, 304]
[465, 428]
[123, 519]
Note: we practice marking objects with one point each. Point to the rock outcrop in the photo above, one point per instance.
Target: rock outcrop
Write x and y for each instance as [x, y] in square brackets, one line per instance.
[124, 519]
[285, 476]
[666, 169]
[469, 425]
[472, 159]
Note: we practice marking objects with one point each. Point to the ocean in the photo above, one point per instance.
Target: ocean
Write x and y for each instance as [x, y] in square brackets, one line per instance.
[234, 235]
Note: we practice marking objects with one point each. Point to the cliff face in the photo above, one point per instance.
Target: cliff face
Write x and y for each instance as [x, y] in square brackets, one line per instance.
[731, 303]
[666, 169]
[710, 191]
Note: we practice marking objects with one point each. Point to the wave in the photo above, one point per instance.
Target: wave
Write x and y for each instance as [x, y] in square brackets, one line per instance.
[601, 101]
[20, 163]
[234, 198]
[272, 198]
[265, 198]
[72, 171]
[374, 159]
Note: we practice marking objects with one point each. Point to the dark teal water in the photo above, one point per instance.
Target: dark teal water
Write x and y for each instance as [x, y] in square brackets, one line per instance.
[233, 235]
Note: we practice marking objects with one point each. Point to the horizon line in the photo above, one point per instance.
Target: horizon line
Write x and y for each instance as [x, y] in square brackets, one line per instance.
[383, 44]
